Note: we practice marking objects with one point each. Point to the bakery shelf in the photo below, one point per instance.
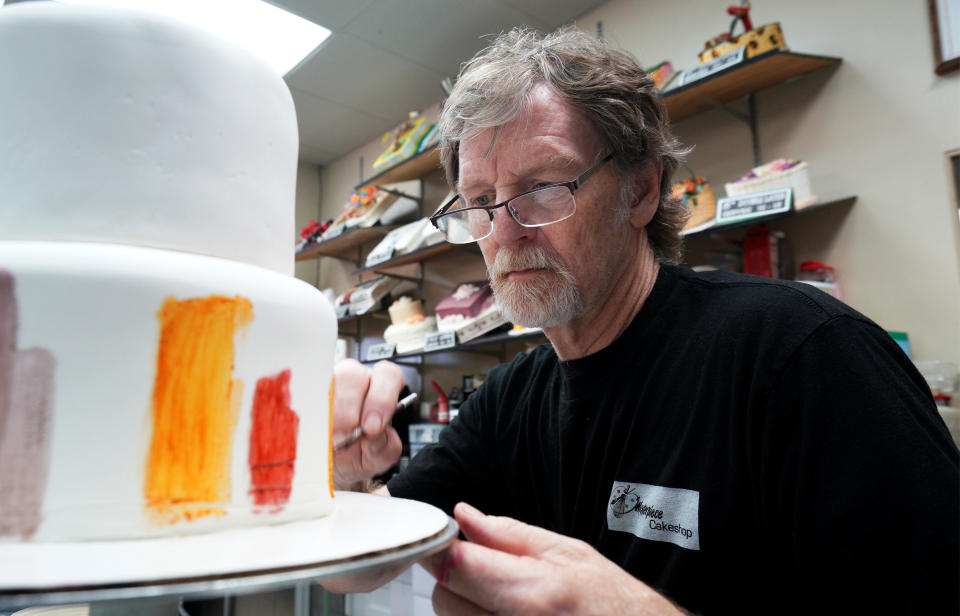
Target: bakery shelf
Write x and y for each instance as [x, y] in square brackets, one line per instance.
[381, 313]
[751, 75]
[348, 240]
[478, 343]
[836, 203]
[413, 168]
[417, 256]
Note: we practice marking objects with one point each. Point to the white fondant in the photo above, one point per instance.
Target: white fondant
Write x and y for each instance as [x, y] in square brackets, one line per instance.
[123, 127]
[94, 307]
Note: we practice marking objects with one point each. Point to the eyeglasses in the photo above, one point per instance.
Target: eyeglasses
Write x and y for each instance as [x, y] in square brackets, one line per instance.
[462, 223]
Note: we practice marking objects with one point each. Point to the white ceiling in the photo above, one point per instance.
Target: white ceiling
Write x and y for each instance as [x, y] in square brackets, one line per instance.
[386, 58]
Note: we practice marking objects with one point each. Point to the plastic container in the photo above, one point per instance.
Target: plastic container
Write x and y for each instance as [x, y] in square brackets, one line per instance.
[942, 376]
[816, 272]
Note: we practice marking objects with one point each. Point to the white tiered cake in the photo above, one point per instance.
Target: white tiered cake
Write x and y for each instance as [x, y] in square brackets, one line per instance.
[161, 371]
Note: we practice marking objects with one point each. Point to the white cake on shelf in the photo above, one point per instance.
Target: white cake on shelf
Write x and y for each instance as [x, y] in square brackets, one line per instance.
[161, 371]
[408, 327]
[779, 173]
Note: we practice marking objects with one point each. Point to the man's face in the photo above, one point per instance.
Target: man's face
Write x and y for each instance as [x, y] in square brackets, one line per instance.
[545, 276]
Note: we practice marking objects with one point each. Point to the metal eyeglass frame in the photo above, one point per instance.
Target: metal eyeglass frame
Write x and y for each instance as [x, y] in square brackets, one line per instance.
[572, 185]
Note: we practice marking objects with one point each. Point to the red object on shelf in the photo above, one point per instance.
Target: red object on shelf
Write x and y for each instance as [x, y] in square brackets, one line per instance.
[760, 253]
[743, 12]
[814, 270]
[443, 405]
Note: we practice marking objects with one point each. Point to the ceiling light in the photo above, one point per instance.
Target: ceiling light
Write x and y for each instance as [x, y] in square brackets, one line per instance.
[280, 38]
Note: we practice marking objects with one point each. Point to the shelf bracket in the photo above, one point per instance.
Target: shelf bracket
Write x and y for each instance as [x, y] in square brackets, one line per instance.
[398, 276]
[749, 118]
[400, 194]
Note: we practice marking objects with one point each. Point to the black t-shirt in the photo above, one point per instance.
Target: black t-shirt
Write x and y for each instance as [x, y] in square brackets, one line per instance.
[745, 446]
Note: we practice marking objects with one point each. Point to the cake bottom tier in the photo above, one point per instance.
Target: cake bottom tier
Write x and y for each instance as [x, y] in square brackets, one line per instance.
[148, 392]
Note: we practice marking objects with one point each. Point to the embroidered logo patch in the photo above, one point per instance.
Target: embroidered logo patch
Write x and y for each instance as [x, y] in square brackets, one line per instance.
[656, 513]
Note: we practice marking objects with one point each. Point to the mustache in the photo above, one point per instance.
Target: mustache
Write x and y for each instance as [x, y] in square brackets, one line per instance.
[531, 257]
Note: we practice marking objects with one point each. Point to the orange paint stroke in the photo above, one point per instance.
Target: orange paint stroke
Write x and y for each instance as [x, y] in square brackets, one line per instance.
[330, 445]
[273, 442]
[195, 405]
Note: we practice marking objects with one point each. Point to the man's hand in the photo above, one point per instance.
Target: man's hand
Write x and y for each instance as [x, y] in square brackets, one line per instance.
[508, 567]
[365, 397]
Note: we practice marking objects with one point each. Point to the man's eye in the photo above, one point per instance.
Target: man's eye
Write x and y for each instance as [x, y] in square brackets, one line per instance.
[481, 200]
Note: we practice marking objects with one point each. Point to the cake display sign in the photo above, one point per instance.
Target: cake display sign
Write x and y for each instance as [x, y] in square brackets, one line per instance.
[439, 340]
[733, 209]
[381, 351]
[716, 65]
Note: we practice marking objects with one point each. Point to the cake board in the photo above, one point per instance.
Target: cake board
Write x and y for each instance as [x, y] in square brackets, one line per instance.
[364, 533]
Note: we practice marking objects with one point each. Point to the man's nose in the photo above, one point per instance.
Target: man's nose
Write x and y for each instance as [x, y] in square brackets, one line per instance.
[506, 230]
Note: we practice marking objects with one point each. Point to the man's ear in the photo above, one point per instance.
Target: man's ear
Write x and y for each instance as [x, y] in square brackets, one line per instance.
[646, 194]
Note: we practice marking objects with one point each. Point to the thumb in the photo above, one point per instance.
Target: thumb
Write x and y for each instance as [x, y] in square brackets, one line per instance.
[500, 533]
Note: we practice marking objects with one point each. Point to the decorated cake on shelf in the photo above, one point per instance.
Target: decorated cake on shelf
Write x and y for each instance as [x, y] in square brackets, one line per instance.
[413, 136]
[366, 207]
[469, 311]
[754, 41]
[161, 370]
[701, 201]
[408, 326]
[368, 296]
[402, 240]
[780, 173]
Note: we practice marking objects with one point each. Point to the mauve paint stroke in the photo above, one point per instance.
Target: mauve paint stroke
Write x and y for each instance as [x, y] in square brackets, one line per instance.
[26, 417]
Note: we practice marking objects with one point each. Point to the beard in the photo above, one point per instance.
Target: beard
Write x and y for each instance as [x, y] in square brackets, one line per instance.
[548, 299]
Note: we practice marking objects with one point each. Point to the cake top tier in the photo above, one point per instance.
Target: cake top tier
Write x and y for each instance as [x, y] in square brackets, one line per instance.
[120, 126]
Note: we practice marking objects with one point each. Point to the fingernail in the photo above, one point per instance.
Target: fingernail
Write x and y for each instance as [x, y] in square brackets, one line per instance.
[371, 425]
[469, 510]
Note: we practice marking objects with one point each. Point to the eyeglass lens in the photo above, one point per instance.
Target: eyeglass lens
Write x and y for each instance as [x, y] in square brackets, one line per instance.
[541, 207]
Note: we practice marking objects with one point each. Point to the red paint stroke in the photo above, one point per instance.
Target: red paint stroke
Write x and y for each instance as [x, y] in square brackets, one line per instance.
[273, 442]
[26, 416]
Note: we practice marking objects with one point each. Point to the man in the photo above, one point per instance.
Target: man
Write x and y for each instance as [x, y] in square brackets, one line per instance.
[715, 443]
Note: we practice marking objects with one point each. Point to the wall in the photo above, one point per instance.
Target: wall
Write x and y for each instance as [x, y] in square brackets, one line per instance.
[877, 127]
[307, 209]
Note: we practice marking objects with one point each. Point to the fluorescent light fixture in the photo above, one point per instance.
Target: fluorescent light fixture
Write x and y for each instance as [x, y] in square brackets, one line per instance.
[281, 38]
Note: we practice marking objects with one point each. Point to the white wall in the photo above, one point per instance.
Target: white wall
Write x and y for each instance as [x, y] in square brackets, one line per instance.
[307, 209]
[878, 127]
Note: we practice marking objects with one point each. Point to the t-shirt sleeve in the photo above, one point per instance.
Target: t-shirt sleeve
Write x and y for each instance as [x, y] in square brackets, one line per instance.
[462, 465]
[858, 477]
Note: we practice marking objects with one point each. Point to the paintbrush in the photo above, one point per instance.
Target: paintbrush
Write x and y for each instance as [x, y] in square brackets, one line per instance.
[357, 433]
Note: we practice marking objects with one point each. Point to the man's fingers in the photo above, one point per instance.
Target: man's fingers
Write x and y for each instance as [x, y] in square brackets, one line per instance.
[446, 602]
[503, 534]
[351, 380]
[365, 581]
[386, 381]
[479, 574]
[381, 452]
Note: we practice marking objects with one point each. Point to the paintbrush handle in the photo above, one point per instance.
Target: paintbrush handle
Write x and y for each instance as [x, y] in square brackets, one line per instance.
[357, 433]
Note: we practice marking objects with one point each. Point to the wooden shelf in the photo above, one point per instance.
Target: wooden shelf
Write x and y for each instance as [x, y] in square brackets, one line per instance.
[423, 254]
[381, 312]
[346, 241]
[413, 168]
[836, 203]
[751, 75]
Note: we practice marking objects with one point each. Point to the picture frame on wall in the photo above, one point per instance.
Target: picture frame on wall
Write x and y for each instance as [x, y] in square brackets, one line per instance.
[945, 32]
